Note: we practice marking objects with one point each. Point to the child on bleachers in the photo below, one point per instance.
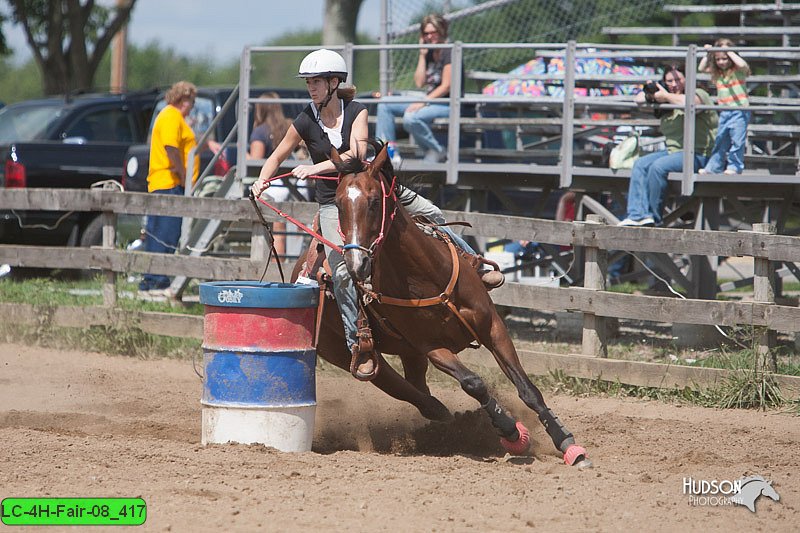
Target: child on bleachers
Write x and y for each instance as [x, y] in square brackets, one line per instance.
[728, 72]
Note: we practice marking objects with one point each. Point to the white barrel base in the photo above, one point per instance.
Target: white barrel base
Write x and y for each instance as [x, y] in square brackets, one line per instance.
[288, 429]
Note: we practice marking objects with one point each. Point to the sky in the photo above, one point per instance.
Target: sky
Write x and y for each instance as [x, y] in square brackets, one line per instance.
[218, 29]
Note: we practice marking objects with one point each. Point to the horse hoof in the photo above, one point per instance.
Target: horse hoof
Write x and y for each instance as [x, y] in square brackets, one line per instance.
[436, 412]
[583, 465]
[522, 445]
[576, 454]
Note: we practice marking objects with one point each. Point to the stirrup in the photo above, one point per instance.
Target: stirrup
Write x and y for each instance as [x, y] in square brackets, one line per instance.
[364, 365]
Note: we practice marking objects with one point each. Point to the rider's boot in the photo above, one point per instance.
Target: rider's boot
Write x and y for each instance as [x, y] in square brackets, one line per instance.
[364, 364]
[491, 278]
[488, 270]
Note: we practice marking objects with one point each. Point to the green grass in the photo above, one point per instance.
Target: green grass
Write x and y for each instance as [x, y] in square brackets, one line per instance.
[130, 341]
[627, 287]
[788, 286]
[748, 387]
[55, 292]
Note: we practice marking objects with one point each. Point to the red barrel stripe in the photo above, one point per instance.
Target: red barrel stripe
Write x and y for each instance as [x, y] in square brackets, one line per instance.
[248, 329]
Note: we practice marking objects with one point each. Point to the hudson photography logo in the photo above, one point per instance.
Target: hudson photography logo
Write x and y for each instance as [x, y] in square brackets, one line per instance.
[725, 492]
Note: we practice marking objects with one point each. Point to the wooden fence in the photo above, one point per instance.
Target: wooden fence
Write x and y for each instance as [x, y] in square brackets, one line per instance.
[593, 301]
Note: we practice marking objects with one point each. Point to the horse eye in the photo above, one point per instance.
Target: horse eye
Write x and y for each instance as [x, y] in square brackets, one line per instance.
[374, 204]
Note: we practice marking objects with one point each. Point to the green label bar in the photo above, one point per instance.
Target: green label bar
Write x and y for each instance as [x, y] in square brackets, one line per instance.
[73, 511]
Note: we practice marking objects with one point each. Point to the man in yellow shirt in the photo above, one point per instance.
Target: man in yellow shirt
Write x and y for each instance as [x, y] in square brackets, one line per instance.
[172, 140]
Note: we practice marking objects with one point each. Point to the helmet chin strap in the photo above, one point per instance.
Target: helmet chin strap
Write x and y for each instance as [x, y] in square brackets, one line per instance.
[328, 97]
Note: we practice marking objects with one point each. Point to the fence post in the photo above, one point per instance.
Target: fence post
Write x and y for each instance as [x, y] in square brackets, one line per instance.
[259, 247]
[568, 115]
[764, 292]
[109, 243]
[594, 277]
[454, 133]
[689, 130]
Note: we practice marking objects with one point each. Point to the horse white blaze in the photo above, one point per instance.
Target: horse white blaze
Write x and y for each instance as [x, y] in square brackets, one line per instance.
[353, 193]
[356, 257]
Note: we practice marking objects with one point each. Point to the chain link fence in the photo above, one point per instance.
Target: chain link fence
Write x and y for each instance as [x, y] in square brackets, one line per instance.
[508, 21]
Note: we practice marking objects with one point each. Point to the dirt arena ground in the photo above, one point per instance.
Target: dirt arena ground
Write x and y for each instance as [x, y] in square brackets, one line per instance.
[78, 424]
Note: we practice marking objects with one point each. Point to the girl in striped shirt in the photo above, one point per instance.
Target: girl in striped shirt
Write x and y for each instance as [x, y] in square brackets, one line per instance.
[728, 72]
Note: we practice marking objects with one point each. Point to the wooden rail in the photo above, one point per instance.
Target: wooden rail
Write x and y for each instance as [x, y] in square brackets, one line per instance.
[595, 303]
[637, 373]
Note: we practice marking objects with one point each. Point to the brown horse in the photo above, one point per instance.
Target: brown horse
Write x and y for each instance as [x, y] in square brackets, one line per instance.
[400, 271]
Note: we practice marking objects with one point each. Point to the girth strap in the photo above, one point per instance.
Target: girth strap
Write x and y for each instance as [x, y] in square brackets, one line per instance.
[443, 298]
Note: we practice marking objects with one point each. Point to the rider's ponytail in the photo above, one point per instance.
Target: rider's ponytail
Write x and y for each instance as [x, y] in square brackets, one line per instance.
[346, 92]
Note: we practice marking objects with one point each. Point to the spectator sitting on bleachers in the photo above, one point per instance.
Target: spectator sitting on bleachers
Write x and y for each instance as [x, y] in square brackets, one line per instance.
[649, 175]
[433, 73]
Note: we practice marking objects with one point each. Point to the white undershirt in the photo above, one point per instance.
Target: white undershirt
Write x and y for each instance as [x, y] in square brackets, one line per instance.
[334, 134]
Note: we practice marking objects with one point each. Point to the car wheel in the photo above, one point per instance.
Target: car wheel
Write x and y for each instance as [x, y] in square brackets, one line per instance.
[93, 233]
[92, 236]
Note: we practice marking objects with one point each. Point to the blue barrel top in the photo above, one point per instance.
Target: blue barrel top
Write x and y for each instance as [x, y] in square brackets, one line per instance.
[258, 294]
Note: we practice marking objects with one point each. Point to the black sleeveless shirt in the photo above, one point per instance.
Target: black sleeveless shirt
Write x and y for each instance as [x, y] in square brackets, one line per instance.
[319, 146]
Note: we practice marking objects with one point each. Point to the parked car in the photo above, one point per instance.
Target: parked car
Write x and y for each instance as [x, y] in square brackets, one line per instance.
[208, 104]
[66, 142]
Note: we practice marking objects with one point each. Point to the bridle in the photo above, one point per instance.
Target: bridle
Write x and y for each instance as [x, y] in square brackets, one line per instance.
[386, 220]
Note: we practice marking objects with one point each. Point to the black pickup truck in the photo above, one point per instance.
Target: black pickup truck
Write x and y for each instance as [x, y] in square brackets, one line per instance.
[67, 142]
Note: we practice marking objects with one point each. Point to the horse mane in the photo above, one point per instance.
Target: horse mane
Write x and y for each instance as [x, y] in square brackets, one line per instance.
[353, 165]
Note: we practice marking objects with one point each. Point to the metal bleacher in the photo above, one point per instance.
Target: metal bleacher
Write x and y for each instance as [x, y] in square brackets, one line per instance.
[551, 144]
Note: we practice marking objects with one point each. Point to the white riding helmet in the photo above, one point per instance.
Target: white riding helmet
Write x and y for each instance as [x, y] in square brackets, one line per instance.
[325, 63]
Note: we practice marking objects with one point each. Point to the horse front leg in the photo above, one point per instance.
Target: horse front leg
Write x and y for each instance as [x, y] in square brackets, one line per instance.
[515, 437]
[333, 349]
[415, 368]
[506, 356]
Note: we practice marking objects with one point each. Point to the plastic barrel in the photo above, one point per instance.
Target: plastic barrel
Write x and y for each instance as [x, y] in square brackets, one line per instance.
[259, 364]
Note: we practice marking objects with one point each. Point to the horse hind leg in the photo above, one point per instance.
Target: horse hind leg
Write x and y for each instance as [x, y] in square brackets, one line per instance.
[506, 356]
[514, 435]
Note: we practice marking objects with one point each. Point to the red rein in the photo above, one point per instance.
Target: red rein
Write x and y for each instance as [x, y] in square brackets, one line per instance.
[296, 222]
[381, 235]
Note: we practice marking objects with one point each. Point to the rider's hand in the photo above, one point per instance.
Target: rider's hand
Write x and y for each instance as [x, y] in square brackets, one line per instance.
[302, 171]
[260, 185]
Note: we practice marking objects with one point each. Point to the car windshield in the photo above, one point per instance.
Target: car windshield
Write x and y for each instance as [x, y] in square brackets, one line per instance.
[27, 122]
[199, 118]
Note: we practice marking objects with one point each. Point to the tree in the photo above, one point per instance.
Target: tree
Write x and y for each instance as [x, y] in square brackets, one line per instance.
[339, 24]
[69, 38]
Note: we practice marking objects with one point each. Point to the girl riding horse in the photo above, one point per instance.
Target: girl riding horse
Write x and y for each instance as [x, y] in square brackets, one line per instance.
[334, 120]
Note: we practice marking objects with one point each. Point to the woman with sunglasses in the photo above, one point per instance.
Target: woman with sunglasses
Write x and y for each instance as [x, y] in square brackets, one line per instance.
[433, 73]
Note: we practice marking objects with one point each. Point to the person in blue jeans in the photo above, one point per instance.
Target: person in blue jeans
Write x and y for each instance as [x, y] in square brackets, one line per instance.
[171, 143]
[729, 73]
[649, 174]
[433, 73]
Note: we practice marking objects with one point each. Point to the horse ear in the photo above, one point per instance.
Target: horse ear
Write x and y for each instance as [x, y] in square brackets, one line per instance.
[378, 162]
[335, 157]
